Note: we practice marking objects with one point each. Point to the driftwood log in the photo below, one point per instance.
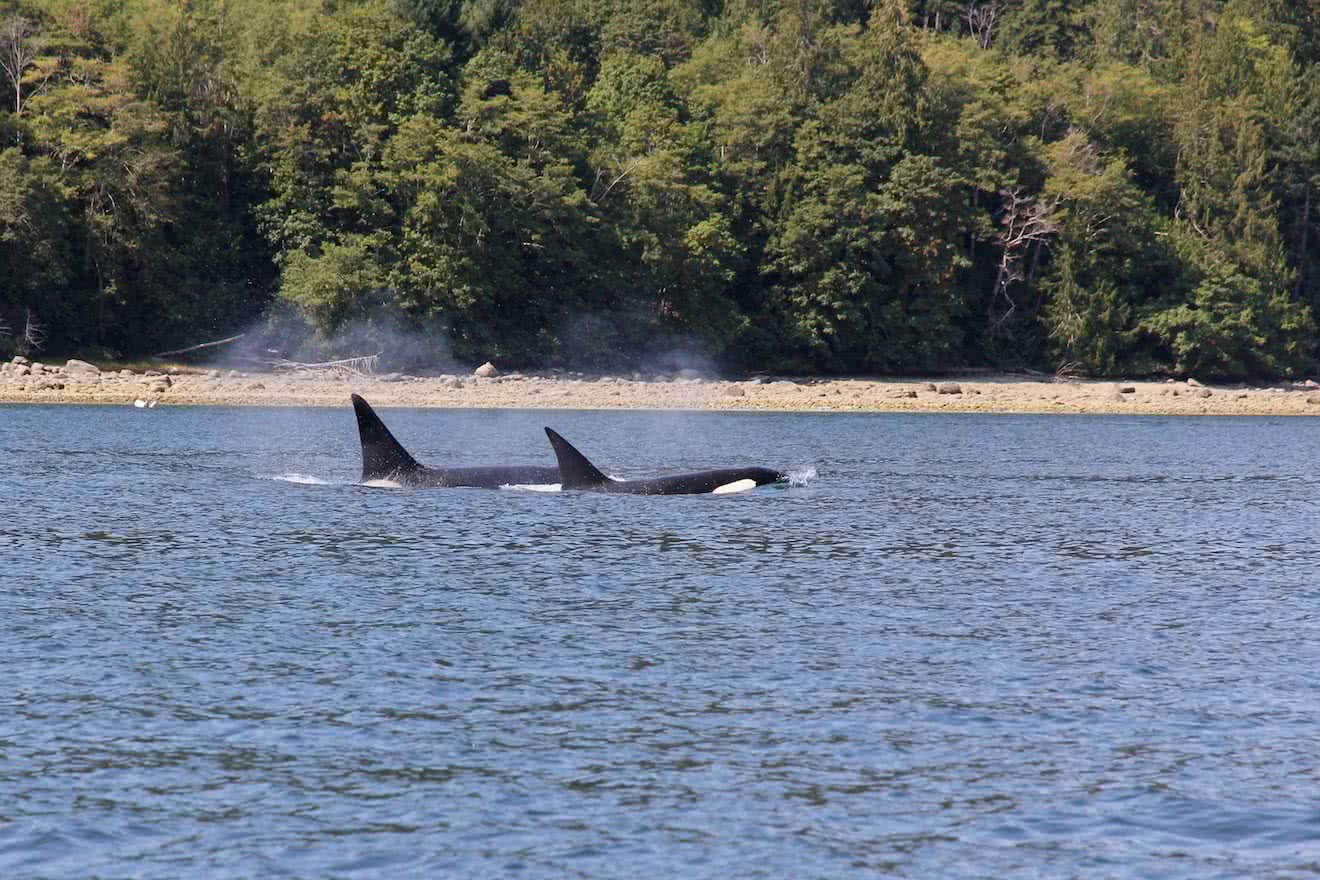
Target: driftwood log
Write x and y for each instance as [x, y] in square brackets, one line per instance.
[192, 348]
[364, 365]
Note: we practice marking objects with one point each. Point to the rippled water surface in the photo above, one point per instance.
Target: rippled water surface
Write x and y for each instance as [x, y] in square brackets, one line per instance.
[967, 647]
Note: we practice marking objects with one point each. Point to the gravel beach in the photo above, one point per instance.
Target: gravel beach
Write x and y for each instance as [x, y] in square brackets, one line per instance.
[78, 382]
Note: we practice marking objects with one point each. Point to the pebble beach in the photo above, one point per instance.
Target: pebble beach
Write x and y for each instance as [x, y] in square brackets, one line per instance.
[80, 382]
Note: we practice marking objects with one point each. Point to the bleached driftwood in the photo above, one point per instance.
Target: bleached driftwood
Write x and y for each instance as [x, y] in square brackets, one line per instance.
[364, 365]
[192, 348]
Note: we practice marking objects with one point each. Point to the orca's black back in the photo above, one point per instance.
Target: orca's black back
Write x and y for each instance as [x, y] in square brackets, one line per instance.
[698, 483]
[576, 472]
[489, 477]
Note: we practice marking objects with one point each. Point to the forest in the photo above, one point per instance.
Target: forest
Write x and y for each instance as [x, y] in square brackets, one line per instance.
[1093, 187]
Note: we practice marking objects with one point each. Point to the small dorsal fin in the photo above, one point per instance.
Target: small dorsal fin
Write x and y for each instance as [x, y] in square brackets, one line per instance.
[382, 456]
[575, 472]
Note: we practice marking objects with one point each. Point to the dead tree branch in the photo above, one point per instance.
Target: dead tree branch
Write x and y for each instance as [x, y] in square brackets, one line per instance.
[1026, 222]
[19, 48]
[34, 334]
[981, 22]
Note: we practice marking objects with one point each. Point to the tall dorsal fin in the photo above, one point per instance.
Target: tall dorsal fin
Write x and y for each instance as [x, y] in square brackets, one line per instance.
[575, 472]
[382, 456]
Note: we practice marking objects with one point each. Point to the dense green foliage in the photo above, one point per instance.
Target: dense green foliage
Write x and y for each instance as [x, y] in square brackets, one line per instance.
[1108, 186]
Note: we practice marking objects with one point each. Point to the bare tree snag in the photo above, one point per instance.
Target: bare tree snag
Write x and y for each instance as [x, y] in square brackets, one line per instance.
[18, 50]
[34, 335]
[981, 19]
[1027, 223]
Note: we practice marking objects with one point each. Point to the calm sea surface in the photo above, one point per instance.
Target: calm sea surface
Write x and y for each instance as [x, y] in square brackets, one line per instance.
[959, 646]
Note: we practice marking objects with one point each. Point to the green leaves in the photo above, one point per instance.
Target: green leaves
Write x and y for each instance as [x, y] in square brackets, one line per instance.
[1234, 327]
[331, 286]
[869, 256]
[482, 228]
[1117, 185]
[1106, 261]
[34, 244]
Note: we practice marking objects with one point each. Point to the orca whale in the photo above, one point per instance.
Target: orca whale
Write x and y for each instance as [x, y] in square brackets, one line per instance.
[576, 472]
[383, 458]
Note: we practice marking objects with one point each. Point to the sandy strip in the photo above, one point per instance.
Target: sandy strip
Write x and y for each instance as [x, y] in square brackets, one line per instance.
[991, 393]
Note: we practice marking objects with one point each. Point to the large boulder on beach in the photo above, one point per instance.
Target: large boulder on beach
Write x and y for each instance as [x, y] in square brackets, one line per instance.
[486, 371]
[949, 388]
[73, 365]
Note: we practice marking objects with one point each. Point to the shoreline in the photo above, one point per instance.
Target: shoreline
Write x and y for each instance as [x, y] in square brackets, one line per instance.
[78, 382]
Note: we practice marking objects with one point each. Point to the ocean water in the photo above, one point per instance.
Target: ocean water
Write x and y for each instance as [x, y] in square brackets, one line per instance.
[956, 646]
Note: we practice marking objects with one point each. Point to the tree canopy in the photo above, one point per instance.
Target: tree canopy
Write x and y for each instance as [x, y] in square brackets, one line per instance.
[1104, 186]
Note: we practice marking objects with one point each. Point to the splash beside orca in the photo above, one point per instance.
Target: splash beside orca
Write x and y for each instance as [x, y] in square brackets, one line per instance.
[576, 472]
[383, 458]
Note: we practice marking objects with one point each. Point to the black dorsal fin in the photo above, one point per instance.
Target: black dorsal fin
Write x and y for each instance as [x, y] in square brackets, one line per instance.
[575, 472]
[382, 456]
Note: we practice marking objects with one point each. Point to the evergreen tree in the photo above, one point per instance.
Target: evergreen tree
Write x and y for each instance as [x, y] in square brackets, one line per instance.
[1119, 185]
[1240, 317]
[1050, 28]
[1107, 263]
[866, 258]
[34, 246]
